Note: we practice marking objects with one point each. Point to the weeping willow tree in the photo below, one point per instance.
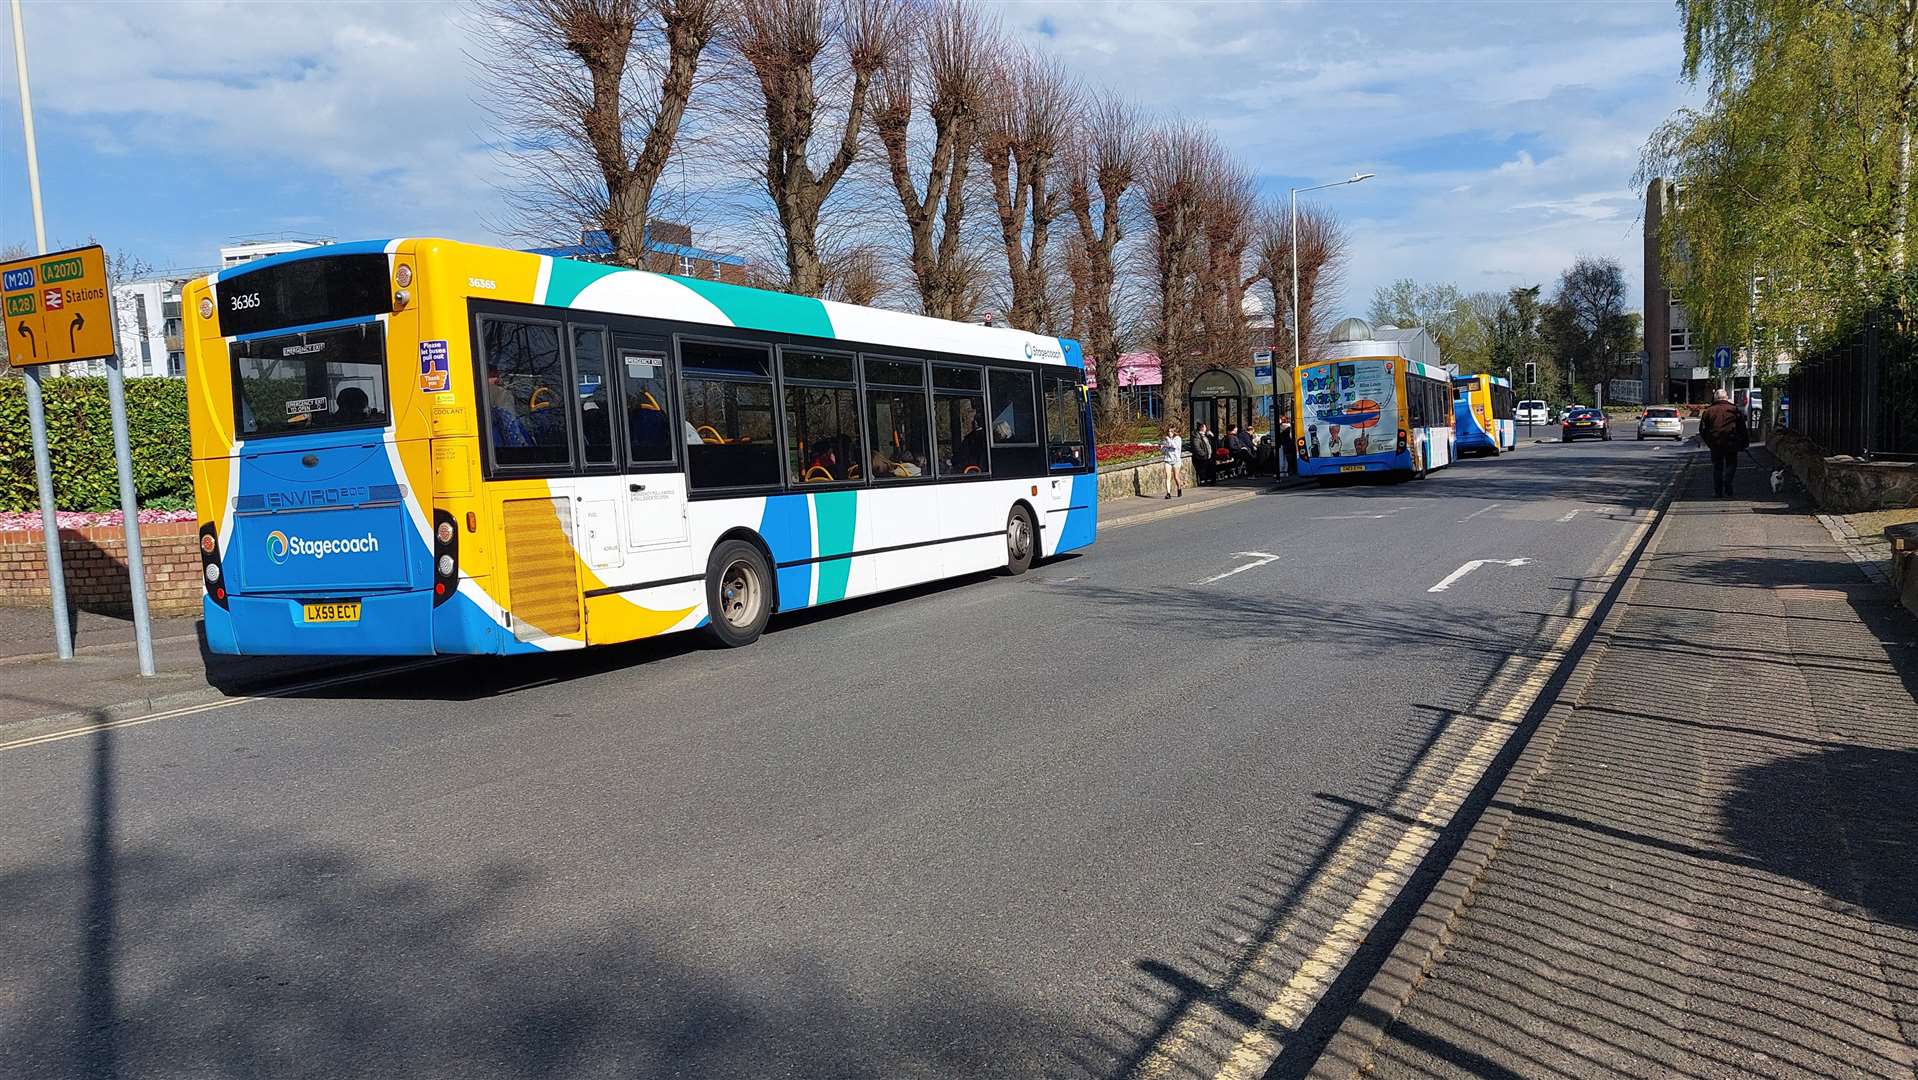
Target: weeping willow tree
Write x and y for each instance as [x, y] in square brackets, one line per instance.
[1792, 184]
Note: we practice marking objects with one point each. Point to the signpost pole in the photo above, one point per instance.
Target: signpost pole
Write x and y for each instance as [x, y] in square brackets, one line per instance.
[36, 407]
[50, 524]
[130, 513]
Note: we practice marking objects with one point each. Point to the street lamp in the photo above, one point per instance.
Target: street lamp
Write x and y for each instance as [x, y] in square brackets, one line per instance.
[1353, 179]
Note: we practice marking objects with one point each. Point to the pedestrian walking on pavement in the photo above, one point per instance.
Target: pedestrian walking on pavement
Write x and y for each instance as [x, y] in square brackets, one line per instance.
[1171, 448]
[1288, 459]
[1722, 429]
[1204, 469]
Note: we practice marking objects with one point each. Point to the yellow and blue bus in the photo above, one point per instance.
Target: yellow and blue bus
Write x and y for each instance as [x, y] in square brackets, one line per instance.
[1485, 410]
[1372, 414]
[419, 446]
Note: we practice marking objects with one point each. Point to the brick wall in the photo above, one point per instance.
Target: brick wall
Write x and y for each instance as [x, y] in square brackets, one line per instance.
[96, 568]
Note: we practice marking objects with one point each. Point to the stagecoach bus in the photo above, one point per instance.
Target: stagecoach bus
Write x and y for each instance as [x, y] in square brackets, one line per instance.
[420, 446]
[1484, 412]
[1372, 414]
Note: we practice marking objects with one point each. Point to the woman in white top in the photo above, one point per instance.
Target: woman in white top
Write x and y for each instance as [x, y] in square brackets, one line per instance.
[1170, 450]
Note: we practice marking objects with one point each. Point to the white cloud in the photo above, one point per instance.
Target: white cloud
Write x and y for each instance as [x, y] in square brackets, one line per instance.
[1504, 136]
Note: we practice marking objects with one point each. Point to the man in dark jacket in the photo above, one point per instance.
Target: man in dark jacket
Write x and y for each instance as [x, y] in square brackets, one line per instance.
[1203, 466]
[1722, 429]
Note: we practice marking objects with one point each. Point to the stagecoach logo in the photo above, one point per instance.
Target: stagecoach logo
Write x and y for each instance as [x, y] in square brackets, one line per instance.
[1037, 352]
[307, 349]
[280, 546]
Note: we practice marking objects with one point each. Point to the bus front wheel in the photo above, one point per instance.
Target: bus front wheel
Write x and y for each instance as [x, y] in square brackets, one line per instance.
[738, 594]
[1021, 540]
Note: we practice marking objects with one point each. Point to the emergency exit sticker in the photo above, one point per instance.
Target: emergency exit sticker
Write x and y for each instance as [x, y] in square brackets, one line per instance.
[434, 378]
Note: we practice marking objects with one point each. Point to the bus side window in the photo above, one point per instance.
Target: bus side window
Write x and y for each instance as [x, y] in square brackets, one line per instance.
[649, 401]
[526, 393]
[595, 395]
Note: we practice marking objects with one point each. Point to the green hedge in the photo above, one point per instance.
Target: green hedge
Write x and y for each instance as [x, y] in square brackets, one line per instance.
[80, 440]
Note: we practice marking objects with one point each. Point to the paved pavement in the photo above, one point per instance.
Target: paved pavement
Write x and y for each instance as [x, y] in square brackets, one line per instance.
[1127, 814]
[1710, 871]
[103, 678]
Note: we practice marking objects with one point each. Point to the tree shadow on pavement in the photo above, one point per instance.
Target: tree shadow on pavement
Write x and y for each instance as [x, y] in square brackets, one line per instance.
[213, 951]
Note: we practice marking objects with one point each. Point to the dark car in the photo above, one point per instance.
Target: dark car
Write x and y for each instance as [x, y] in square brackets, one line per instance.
[1584, 424]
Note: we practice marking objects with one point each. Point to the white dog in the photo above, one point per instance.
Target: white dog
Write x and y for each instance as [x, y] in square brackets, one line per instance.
[1777, 481]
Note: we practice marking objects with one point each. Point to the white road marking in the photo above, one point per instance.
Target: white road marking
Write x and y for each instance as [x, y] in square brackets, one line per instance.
[1570, 514]
[1477, 512]
[1362, 517]
[1452, 578]
[1263, 557]
[1288, 986]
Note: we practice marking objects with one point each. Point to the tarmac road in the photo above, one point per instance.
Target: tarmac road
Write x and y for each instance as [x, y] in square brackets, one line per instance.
[1121, 815]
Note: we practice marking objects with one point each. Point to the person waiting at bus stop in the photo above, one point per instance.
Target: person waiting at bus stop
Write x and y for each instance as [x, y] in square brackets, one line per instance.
[1722, 428]
[1203, 467]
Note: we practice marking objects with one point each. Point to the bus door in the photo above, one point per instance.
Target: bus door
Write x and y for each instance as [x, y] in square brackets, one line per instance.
[653, 502]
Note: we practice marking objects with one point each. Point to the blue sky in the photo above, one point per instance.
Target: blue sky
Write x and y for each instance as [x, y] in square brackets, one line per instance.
[1504, 135]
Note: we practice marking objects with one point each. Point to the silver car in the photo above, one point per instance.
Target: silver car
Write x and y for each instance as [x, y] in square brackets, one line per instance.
[1661, 423]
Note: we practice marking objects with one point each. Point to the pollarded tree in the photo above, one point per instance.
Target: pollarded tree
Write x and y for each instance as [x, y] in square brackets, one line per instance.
[1029, 119]
[1323, 249]
[593, 93]
[939, 79]
[794, 49]
[1172, 183]
[1102, 165]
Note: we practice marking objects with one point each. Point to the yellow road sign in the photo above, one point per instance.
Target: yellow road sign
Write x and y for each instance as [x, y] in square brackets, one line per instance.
[57, 307]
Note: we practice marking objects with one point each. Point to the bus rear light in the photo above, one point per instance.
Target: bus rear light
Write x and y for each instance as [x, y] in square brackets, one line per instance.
[211, 573]
[446, 555]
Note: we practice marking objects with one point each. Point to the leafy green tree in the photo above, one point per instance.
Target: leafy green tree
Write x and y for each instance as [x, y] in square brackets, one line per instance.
[1438, 307]
[1793, 180]
[1588, 327]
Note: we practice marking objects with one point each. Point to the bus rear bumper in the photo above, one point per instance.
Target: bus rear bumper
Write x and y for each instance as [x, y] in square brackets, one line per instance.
[390, 624]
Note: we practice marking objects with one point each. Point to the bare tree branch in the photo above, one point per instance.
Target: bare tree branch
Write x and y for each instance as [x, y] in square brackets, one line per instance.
[580, 82]
[1028, 122]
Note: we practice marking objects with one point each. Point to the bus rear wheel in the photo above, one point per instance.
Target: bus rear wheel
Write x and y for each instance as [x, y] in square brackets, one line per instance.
[738, 594]
[1021, 541]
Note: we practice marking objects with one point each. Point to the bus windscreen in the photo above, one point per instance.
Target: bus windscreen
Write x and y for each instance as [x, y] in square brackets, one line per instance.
[321, 380]
[1350, 408]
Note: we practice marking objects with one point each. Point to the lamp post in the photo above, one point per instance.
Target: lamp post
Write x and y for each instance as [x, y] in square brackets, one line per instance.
[1353, 179]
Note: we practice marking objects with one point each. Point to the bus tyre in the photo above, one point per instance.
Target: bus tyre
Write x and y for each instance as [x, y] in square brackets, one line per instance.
[738, 594]
[1021, 541]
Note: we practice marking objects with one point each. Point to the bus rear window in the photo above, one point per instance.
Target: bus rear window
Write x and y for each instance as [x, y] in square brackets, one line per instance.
[323, 380]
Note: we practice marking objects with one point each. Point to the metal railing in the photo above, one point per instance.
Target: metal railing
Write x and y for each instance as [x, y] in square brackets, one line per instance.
[1850, 398]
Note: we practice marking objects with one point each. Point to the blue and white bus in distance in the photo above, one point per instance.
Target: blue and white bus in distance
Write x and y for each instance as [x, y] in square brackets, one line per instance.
[1485, 410]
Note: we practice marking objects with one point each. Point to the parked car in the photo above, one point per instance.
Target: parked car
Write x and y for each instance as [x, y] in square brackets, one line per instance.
[1661, 422]
[1532, 411]
[1584, 423]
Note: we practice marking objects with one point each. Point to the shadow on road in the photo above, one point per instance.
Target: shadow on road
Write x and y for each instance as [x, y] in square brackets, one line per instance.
[211, 951]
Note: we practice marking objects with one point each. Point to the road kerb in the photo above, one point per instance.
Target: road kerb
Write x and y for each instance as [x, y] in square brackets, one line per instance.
[1348, 1052]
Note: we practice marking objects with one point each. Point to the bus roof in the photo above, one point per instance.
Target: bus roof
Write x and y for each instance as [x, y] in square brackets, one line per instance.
[1496, 380]
[571, 283]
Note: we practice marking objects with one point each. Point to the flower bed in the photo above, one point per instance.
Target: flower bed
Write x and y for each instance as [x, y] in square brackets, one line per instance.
[75, 519]
[1115, 453]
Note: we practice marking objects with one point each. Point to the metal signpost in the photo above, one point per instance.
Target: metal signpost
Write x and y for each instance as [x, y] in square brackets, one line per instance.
[58, 309]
